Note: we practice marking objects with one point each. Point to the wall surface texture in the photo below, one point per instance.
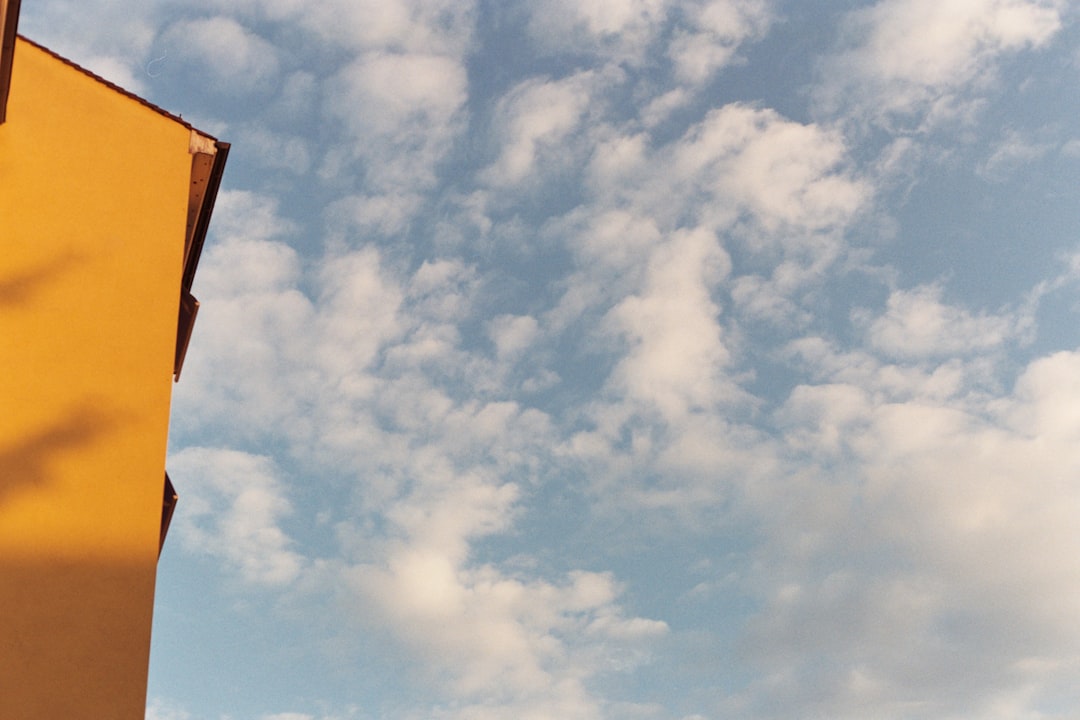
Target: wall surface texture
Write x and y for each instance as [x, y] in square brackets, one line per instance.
[93, 208]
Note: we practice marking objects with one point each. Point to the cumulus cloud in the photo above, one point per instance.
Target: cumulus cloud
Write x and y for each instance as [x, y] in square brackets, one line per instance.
[620, 29]
[714, 31]
[777, 189]
[918, 506]
[677, 350]
[503, 644]
[655, 247]
[699, 37]
[158, 709]
[442, 27]
[1044, 398]
[512, 334]
[231, 56]
[918, 324]
[422, 462]
[233, 507]
[1013, 152]
[739, 163]
[918, 56]
[388, 214]
[279, 151]
[401, 113]
[534, 120]
[940, 378]
[900, 499]
[782, 171]
[253, 314]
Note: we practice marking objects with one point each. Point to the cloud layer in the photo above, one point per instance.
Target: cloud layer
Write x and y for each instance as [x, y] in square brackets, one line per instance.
[548, 368]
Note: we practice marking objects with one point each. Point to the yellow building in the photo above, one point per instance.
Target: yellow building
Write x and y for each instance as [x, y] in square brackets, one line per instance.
[104, 205]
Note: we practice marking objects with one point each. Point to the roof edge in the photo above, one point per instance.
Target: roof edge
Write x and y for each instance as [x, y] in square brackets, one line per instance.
[112, 86]
[213, 183]
[9, 25]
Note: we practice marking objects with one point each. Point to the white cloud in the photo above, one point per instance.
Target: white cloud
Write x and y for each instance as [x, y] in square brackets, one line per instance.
[252, 325]
[381, 90]
[1014, 151]
[279, 151]
[901, 516]
[653, 269]
[117, 70]
[1045, 392]
[676, 351]
[512, 334]
[782, 171]
[386, 214]
[793, 179]
[612, 244]
[297, 98]
[918, 56]
[766, 300]
[533, 120]
[706, 33]
[158, 709]
[264, 354]
[940, 379]
[942, 43]
[780, 190]
[359, 375]
[907, 544]
[358, 313]
[401, 113]
[442, 27]
[822, 416]
[231, 508]
[618, 29]
[715, 29]
[232, 57]
[917, 324]
[503, 645]
[659, 108]
[496, 642]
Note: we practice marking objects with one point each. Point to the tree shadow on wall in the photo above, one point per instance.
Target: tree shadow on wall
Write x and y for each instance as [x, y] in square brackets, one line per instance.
[25, 464]
[22, 286]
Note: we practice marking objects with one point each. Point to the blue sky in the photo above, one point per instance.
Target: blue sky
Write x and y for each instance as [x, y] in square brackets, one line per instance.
[628, 359]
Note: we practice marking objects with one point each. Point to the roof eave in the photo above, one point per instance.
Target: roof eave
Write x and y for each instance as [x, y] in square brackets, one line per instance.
[203, 225]
[9, 25]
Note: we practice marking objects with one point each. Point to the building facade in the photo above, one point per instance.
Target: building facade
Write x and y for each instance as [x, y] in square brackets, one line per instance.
[104, 205]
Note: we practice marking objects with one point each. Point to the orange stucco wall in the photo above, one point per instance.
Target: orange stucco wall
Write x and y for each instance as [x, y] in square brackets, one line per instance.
[93, 203]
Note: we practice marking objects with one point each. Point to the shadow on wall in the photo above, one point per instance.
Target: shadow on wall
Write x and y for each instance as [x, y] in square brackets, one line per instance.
[22, 286]
[26, 454]
[24, 465]
[77, 565]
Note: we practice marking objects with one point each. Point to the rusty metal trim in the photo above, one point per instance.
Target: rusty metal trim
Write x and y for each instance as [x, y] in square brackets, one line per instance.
[185, 323]
[202, 163]
[213, 183]
[9, 23]
[168, 505]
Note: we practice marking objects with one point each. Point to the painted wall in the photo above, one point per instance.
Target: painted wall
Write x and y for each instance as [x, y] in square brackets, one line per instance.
[93, 207]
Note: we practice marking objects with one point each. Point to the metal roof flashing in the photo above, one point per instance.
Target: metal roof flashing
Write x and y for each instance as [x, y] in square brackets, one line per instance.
[208, 158]
[9, 23]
